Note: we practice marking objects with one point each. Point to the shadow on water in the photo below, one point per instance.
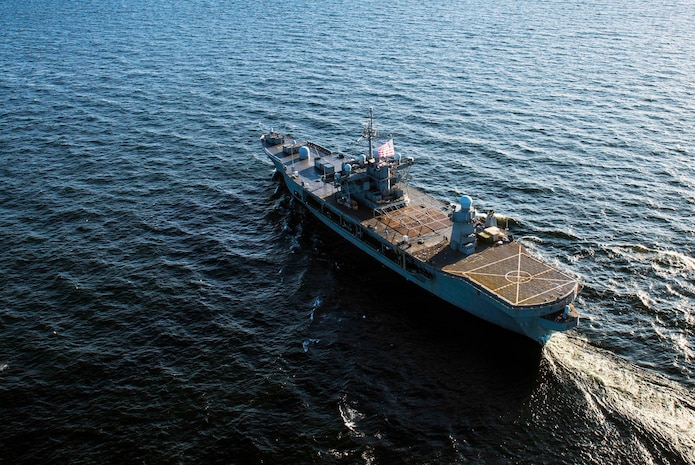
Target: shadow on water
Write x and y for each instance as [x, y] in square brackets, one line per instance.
[394, 368]
[358, 276]
[399, 371]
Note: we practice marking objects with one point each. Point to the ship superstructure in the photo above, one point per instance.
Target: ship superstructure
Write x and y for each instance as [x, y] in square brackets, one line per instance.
[450, 250]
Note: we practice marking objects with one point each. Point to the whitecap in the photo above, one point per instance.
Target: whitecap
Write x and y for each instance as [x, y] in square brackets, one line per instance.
[308, 342]
[350, 416]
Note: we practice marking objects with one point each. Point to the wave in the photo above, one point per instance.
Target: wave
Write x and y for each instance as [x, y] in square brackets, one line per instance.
[672, 259]
[638, 406]
[350, 416]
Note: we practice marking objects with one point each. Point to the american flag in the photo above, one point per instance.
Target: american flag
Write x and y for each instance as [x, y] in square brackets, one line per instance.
[386, 150]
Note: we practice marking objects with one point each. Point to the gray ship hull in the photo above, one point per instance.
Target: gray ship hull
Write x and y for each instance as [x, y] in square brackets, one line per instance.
[500, 283]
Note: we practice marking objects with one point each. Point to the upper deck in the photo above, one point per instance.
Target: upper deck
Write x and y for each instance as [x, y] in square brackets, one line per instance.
[422, 229]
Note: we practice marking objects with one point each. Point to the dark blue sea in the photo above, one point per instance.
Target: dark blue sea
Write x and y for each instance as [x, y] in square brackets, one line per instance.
[163, 302]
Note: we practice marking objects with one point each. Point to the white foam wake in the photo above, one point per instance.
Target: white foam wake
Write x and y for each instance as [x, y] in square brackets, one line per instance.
[659, 407]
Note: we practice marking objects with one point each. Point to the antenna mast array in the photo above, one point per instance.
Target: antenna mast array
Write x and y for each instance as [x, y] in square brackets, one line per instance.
[369, 132]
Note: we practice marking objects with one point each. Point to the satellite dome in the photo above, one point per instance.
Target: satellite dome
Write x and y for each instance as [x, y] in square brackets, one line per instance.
[465, 202]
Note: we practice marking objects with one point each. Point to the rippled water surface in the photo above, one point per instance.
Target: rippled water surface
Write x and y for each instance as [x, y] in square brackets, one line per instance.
[162, 302]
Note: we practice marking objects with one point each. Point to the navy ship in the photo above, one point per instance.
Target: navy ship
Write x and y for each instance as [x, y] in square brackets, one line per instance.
[449, 249]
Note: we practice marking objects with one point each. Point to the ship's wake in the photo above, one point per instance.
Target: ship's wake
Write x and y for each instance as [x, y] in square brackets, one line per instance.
[626, 400]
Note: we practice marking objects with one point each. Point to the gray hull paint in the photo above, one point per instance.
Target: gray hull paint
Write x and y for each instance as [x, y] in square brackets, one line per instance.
[452, 289]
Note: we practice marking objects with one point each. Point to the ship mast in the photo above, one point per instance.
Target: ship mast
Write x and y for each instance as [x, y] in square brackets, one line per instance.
[369, 132]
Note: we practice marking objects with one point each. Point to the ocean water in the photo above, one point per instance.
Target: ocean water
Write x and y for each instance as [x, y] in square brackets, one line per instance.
[162, 301]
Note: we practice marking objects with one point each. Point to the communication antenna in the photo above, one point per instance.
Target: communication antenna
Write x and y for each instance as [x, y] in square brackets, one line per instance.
[369, 132]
